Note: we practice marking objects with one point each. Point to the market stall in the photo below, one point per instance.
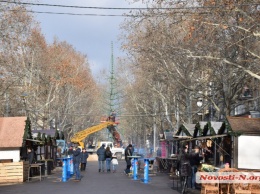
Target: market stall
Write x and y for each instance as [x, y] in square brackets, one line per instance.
[213, 138]
[246, 142]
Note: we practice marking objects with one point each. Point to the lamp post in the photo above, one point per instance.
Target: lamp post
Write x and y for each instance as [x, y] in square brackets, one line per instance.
[199, 104]
[211, 94]
[23, 96]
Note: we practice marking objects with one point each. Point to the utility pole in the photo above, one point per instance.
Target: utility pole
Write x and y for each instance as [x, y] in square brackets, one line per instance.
[154, 131]
[211, 93]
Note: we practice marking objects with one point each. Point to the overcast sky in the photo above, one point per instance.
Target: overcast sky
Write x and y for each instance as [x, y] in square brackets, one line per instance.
[91, 35]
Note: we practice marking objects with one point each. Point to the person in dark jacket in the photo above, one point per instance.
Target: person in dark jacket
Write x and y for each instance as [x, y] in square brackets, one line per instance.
[195, 159]
[128, 152]
[31, 159]
[184, 166]
[84, 157]
[101, 158]
[30, 155]
[108, 155]
[76, 161]
[112, 116]
[70, 151]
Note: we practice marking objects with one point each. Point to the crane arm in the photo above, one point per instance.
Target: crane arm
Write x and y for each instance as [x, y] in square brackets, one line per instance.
[81, 135]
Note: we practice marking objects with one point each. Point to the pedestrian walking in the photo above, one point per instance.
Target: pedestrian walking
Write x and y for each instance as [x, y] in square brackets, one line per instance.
[108, 155]
[101, 158]
[128, 152]
[114, 162]
[84, 158]
[76, 161]
[184, 167]
[195, 159]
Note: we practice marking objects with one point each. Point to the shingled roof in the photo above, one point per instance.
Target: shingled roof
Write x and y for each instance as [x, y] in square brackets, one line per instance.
[245, 125]
[11, 131]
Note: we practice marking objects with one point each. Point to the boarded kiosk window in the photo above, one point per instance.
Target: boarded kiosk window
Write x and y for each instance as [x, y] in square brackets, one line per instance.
[6, 160]
[249, 152]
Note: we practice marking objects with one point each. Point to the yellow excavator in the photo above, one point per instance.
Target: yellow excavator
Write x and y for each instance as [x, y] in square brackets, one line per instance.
[81, 135]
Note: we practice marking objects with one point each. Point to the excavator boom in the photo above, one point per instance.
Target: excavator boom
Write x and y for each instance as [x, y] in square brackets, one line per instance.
[81, 135]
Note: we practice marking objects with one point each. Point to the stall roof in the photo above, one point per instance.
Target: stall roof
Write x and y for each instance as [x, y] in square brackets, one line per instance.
[11, 131]
[209, 128]
[212, 128]
[245, 125]
[185, 130]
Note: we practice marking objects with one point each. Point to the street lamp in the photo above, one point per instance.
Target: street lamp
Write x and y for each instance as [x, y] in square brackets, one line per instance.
[199, 104]
[23, 96]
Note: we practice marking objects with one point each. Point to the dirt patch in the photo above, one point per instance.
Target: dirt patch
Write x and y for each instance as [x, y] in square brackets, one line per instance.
[92, 157]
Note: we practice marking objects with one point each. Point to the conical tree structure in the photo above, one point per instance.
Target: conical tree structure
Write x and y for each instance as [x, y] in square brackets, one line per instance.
[113, 104]
[27, 131]
[113, 97]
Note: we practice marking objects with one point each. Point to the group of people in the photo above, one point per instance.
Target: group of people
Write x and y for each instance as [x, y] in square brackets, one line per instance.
[105, 156]
[188, 165]
[79, 160]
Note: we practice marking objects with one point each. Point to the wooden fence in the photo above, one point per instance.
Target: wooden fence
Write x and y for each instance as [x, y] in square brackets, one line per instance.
[14, 172]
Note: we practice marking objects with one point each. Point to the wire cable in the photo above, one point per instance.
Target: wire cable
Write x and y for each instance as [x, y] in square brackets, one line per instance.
[78, 14]
[124, 8]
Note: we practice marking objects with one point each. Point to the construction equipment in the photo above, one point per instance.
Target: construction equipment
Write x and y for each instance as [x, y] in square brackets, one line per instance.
[81, 135]
[115, 135]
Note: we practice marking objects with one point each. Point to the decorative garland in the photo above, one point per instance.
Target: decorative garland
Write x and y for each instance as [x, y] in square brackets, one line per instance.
[222, 128]
[198, 129]
[205, 129]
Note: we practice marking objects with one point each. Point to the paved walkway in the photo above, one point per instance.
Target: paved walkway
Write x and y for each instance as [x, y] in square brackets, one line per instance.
[93, 182]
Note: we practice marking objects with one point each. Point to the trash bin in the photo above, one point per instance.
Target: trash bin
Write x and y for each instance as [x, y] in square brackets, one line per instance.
[49, 164]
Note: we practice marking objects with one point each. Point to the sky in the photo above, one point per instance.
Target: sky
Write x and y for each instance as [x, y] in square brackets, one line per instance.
[91, 35]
